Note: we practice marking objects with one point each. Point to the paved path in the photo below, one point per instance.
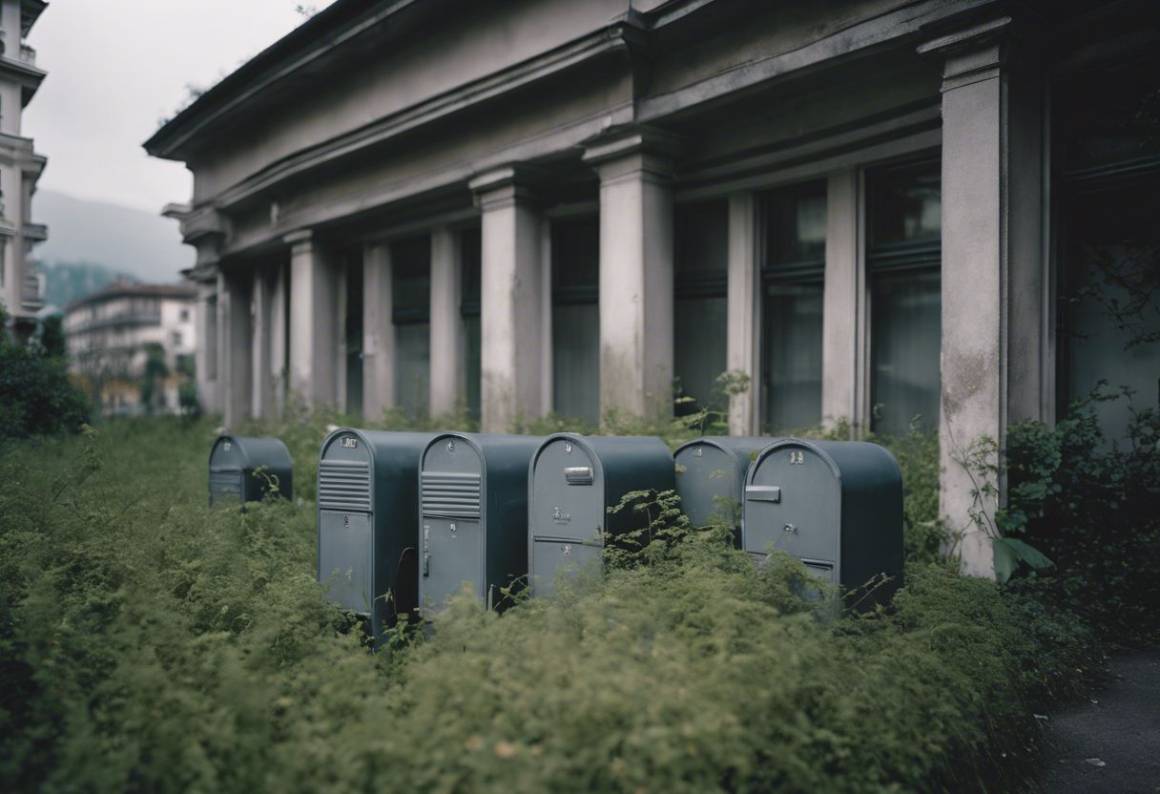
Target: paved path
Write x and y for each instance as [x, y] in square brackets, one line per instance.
[1111, 743]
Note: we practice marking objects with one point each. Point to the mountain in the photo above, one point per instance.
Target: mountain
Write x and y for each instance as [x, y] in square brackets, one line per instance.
[121, 239]
[65, 282]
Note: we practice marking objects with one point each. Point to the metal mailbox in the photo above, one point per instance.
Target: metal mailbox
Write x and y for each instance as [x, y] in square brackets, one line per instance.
[243, 469]
[711, 478]
[835, 505]
[473, 503]
[572, 483]
[368, 522]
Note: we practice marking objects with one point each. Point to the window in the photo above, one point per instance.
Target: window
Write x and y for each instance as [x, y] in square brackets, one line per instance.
[701, 262]
[183, 315]
[904, 217]
[354, 333]
[471, 264]
[793, 278]
[411, 313]
[211, 334]
[576, 317]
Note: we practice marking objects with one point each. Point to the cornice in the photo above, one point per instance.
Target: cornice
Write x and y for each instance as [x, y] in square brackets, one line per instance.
[615, 38]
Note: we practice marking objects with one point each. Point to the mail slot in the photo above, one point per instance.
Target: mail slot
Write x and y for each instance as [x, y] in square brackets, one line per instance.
[248, 468]
[574, 480]
[473, 507]
[368, 522]
[711, 478]
[834, 505]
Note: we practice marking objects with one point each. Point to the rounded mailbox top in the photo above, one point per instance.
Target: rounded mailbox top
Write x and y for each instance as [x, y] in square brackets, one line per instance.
[860, 460]
[239, 452]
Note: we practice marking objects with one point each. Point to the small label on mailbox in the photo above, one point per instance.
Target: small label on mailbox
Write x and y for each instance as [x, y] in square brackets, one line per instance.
[349, 442]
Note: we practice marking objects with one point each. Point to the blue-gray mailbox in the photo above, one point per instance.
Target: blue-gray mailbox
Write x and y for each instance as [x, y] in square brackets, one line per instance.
[368, 522]
[574, 480]
[834, 505]
[473, 495]
[247, 469]
[711, 478]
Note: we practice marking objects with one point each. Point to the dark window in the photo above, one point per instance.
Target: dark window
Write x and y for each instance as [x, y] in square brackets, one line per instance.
[701, 263]
[470, 258]
[793, 274]
[354, 334]
[576, 317]
[903, 259]
[411, 310]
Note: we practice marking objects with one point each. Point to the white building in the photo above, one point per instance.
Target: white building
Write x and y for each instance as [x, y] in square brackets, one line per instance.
[20, 165]
[128, 335]
[877, 210]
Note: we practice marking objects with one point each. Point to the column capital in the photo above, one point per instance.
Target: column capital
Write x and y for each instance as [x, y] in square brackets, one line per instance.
[972, 54]
[643, 151]
[300, 240]
[503, 186]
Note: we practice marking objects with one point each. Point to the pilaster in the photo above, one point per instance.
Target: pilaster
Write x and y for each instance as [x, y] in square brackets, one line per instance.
[743, 300]
[378, 332]
[313, 323]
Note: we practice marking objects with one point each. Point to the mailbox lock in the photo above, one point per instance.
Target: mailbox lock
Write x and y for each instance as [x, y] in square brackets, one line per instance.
[568, 447]
[451, 526]
[790, 528]
[451, 445]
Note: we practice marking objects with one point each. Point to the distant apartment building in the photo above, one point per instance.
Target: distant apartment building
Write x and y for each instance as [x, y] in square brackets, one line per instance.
[877, 211]
[20, 166]
[132, 347]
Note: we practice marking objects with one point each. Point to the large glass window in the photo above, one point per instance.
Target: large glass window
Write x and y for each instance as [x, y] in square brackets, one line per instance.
[903, 258]
[1106, 178]
[471, 261]
[576, 317]
[793, 274]
[411, 313]
[354, 334]
[700, 258]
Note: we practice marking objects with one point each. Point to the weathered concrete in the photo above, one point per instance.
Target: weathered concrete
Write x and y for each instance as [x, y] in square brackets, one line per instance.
[378, 332]
[743, 298]
[279, 337]
[206, 356]
[844, 305]
[974, 265]
[313, 325]
[636, 274]
[510, 317]
[447, 331]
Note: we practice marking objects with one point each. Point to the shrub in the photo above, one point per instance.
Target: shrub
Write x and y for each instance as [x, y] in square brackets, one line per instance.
[36, 396]
[1093, 507]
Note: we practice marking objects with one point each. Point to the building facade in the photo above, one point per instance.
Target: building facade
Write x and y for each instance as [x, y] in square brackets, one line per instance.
[20, 166]
[864, 209]
[132, 347]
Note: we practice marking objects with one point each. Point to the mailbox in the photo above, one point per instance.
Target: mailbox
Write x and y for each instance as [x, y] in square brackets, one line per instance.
[473, 509]
[368, 522]
[573, 481]
[711, 478]
[243, 469]
[835, 505]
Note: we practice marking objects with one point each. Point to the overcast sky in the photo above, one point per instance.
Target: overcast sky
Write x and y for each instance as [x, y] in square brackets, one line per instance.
[116, 67]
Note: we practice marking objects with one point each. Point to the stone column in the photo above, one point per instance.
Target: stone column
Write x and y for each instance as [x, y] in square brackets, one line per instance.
[636, 273]
[976, 213]
[844, 345]
[206, 361]
[511, 320]
[313, 307]
[236, 344]
[260, 307]
[447, 332]
[378, 332]
[279, 331]
[744, 314]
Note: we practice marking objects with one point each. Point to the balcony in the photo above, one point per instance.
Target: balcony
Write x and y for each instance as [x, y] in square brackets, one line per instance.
[27, 55]
[30, 299]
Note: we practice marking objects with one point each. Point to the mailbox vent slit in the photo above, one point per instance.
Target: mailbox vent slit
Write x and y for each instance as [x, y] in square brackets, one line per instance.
[344, 485]
[451, 495]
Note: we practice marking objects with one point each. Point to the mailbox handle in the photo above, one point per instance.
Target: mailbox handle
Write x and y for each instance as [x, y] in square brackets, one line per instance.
[578, 475]
[763, 493]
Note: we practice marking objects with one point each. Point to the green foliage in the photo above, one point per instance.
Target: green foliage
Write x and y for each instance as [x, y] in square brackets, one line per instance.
[1093, 507]
[148, 642]
[36, 395]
